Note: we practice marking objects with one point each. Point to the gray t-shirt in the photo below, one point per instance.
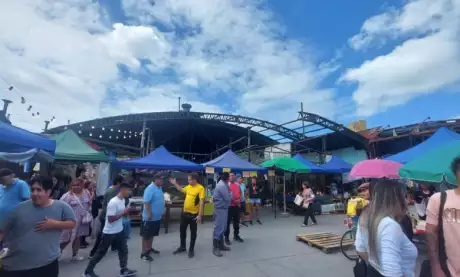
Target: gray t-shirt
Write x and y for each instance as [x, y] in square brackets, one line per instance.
[28, 248]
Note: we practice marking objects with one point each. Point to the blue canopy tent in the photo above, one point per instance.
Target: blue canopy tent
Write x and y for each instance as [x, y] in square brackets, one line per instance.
[233, 162]
[441, 137]
[158, 159]
[313, 167]
[19, 145]
[337, 165]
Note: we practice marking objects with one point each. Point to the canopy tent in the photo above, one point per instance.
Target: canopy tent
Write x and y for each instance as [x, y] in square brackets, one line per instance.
[336, 165]
[434, 166]
[19, 145]
[158, 159]
[286, 164]
[232, 161]
[441, 137]
[313, 167]
[17, 140]
[70, 147]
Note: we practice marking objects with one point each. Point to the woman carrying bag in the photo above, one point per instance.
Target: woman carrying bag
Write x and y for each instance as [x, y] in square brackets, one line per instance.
[380, 238]
[308, 198]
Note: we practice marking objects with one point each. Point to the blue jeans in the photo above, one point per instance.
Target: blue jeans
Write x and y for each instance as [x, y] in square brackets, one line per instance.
[127, 227]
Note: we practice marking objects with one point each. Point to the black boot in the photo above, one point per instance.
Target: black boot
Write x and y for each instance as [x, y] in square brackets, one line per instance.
[227, 241]
[222, 246]
[216, 249]
[238, 238]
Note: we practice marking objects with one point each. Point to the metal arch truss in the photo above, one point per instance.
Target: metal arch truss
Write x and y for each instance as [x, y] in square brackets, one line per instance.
[331, 125]
[117, 120]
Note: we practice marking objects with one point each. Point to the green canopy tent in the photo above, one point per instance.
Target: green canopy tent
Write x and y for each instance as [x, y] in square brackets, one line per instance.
[70, 147]
[286, 164]
[434, 166]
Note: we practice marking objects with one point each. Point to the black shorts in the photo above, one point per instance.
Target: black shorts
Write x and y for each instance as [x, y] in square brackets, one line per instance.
[150, 229]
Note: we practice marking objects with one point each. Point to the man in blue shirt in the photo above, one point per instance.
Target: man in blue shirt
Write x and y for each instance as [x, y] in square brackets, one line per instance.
[12, 192]
[153, 210]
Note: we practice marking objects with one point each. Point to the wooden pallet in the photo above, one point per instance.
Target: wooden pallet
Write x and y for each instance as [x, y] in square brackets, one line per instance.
[326, 242]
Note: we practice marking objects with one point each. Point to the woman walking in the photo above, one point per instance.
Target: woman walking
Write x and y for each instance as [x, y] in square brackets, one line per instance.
[79, 200]
[308, 198]
[380, 238]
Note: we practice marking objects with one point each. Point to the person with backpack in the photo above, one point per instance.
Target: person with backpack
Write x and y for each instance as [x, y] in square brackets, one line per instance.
[443, 230]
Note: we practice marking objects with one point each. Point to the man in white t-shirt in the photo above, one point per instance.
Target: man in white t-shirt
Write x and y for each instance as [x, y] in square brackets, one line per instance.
[113, 233]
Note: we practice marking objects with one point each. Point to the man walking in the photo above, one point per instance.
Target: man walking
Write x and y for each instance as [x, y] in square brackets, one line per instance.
[234, 211]
[113, 233]
[109, 194]
[12, 192]
[191, 213]
[32, 233]
[221, 199]
[153, 210]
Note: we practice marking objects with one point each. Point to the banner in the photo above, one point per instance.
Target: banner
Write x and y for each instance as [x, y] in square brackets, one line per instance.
[253, 174]
[271, 173]
[226, 170]
[246, 174]
[209, 170]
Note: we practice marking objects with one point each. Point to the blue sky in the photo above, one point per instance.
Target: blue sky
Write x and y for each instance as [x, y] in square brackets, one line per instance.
[388, 62]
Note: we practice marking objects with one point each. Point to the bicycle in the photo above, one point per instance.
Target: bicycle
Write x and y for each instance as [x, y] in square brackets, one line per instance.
[347, 242]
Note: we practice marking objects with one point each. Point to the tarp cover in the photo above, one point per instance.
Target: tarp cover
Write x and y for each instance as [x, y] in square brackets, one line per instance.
[441, 137]
[233, 162]
[159, 159]
[17, 140]
[286, 164]
[70, 147]
[336, 165]
[313, 167]
[434, 166]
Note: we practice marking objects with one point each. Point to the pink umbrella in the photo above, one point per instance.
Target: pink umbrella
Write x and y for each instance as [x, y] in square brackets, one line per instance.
[376, 169]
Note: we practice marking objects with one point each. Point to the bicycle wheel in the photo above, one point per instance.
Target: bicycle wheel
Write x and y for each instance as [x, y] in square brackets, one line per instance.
[347, 245]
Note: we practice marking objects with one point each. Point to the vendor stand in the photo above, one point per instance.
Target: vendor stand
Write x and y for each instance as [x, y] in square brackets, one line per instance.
[230, 162]
[160, 159]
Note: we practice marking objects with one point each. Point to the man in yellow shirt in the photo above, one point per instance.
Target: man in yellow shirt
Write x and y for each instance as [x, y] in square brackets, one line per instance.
[191, 213]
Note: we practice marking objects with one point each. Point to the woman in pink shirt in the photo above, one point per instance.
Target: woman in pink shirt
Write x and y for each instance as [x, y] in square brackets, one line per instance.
[308, 198]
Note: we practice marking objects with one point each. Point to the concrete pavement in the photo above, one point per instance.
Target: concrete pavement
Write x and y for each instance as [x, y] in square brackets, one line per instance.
[269, 250]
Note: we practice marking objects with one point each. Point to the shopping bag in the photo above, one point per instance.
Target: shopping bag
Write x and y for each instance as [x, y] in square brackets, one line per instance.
[298, 200]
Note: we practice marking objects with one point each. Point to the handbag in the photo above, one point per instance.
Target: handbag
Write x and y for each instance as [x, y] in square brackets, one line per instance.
[87, 218]
[360, 268]
[426, 266]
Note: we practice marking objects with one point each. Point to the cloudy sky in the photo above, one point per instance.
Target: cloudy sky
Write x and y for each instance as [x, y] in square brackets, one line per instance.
[389, 62]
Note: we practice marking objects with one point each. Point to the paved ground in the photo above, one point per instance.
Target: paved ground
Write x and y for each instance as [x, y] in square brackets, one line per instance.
[268, 250]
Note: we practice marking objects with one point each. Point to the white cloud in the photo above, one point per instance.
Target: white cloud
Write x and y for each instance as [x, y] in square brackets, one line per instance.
[70, 61]
[427, 60]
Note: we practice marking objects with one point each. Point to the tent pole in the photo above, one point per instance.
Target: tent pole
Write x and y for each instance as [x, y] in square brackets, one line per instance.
[285, 214]
[273, 194]
[143, 137]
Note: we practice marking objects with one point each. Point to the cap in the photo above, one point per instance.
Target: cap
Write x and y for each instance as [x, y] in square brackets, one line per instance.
[5, 172]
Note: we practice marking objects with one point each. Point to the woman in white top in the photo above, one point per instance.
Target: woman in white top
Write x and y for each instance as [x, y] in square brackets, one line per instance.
[380, 239]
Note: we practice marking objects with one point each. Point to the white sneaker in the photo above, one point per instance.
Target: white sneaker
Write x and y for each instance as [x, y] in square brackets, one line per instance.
[77, 258]
[3, 253]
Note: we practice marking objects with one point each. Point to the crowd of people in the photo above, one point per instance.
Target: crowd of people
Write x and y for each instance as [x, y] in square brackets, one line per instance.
[384, 235]
[39, 221]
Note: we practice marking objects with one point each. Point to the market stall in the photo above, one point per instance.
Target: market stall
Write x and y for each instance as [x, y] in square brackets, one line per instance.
[442, 137]
[161, 159]
[70, 147]
[230, 162]
[286, 165]
[336, 165]
[18, 145]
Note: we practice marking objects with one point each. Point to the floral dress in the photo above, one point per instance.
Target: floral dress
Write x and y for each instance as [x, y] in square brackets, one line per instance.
[81, 229]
